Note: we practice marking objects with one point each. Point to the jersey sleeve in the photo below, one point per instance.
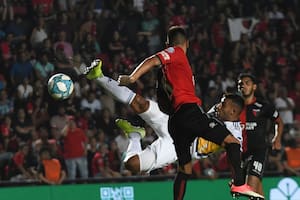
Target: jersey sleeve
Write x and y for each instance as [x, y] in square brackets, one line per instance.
[164, 57]
[271, 112]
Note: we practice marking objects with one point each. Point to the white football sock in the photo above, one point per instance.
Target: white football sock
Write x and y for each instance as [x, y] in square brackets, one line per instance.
[121, 93]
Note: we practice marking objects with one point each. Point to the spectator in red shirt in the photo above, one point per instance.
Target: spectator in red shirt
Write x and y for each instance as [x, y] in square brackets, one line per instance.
[42, 6]
[218, 32]
[101, 165]
[20, 169]
[75, 150]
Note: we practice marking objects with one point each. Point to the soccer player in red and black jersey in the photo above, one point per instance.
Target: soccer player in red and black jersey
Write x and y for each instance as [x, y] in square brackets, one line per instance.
[254, 119]
[187, 119]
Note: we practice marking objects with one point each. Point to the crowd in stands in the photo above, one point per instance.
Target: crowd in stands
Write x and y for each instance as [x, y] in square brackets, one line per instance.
[78, 137]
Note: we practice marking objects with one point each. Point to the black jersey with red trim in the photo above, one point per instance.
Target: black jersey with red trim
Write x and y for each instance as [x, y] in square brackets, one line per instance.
[179, 81]
[254, 119]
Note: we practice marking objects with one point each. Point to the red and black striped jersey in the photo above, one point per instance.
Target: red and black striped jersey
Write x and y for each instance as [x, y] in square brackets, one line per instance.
[254, 118]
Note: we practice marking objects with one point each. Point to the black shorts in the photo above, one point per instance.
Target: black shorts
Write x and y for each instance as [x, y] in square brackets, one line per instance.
[254, 162]
[189, 122]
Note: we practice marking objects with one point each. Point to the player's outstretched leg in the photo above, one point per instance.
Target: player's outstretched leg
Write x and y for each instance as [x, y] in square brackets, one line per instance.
[120, 93]
[94, 70]
[132, 160]
[245, 190]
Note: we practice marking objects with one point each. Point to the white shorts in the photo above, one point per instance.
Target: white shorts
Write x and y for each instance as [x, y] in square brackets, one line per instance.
[157, 155]
[162, 151]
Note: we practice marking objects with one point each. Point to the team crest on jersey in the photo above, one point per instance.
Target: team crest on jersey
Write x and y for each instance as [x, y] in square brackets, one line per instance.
[170, 50]
[212, 124]
[255, 111]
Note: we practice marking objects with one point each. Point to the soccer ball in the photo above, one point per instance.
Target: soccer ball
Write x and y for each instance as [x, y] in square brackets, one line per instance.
[60, 86]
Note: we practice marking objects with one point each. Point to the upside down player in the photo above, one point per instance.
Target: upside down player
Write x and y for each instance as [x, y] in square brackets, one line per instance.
[162, 151]
[187, 119]
[254, 120]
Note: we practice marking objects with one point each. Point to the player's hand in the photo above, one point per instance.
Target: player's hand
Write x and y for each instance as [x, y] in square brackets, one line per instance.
[276, 144]
[124, 80]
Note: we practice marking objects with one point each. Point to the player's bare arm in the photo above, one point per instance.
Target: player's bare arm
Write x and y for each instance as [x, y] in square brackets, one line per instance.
[144, 67]
[276, 141]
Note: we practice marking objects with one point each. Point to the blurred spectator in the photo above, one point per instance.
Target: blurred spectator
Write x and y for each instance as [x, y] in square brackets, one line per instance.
[23, 126]
[18, 29]
[285, 105]
[106, 122]
[228, 83]
[211, 98]
[275, 13]
[62, 62]
[150, 29]
[20, 168]
[75, 151]
[114, 156]
[24, 90]
[116, 44]
[47, 47]
[77, 63]
[58, 122]
[40, 115]
[219, 33]
[6, 104]
[42, 7]
[87, 122]
[91, 102]
[100, 164]
[89, 47]
[50, 170]
[21, 69]
[291, 160]
[3, 82]
[88, 26]
[43, 67]
[6, 47]
[7, 10]
[5, 156]
[295, 95]
[43, 141]
[62, 44]
[39, 33]
[92, 148]
[63, 25]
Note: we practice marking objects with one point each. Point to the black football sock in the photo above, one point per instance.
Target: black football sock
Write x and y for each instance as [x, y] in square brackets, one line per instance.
[180, 185]
[234, 156]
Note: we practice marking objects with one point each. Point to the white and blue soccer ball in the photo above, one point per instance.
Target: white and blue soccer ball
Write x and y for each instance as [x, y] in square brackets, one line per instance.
[60, 86]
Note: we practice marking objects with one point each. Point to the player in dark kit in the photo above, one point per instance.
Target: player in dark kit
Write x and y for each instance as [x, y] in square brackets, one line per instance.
[187, 119]
[254, 119]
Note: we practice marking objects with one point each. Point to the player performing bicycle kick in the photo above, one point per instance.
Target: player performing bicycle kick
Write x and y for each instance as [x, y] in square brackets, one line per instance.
[162, 151]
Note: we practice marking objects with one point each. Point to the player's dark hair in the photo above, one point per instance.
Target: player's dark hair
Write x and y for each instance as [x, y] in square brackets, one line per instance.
[176, 35]
[236, 99]
[248, 75]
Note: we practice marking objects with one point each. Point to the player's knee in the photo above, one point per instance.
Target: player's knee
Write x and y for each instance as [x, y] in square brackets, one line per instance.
[139, 104]
[133, 164]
